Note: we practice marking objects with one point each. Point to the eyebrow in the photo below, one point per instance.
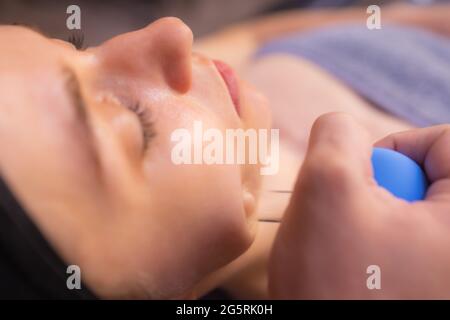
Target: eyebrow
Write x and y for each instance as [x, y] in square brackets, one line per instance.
[72, 87]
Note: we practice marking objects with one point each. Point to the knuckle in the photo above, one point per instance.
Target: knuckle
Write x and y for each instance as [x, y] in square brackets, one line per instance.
[332, 116]
[328, 172]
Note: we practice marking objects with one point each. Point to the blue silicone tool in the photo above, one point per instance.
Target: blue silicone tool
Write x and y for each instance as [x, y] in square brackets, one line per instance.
[400, 175]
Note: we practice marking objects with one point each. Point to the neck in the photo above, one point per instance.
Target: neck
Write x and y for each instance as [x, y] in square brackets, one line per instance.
[272, 202]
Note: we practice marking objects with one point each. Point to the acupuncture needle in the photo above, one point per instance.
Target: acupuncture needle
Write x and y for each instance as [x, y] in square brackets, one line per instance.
[274, 220]
[269, 220]
[280, 191]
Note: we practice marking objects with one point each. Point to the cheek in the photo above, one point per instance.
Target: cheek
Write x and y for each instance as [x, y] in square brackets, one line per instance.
[201, 217]
[199, 207]
[205, 202]
[205, 199]
[211, 95]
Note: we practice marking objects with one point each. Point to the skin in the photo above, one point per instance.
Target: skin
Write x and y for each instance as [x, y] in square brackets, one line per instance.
[296, 107]
[101, 201]
[118, 201]
[339, 221]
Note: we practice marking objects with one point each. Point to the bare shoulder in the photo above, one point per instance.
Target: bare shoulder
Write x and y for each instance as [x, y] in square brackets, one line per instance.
[300, 91]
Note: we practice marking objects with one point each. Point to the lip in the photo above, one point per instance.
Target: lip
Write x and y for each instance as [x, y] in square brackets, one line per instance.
[230, 79]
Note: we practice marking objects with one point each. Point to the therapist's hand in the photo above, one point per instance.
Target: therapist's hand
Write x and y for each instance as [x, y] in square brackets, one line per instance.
[339, 222]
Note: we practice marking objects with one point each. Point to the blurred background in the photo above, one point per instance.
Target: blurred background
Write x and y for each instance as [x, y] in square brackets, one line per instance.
[102, 19]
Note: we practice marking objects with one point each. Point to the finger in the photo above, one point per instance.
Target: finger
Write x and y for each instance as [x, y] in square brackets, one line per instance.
[338, 155]
[429, 147]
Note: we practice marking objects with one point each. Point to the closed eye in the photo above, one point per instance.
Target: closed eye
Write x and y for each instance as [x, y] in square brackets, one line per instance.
[147, 125]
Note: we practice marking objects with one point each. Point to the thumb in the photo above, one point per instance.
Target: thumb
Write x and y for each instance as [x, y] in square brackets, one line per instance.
[337, 163]
[429, 147]
[331, 190]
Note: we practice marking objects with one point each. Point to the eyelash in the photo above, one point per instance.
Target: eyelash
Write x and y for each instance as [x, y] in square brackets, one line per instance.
[77, 39]
[147, 125]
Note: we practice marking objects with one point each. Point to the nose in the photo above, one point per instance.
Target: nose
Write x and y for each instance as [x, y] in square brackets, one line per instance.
[162, 50]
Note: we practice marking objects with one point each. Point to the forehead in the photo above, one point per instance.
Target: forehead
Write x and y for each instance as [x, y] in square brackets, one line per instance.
[27, 55]
[22, 48]
[30, 69]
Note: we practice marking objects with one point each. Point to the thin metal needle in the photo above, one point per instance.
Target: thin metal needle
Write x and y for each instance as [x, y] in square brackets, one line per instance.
[281, 191]
[269, 220]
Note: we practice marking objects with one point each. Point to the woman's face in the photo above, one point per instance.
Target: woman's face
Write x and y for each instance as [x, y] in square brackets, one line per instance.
[86, 147]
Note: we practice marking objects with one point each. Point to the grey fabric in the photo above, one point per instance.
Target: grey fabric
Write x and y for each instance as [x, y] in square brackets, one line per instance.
[403, 70]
